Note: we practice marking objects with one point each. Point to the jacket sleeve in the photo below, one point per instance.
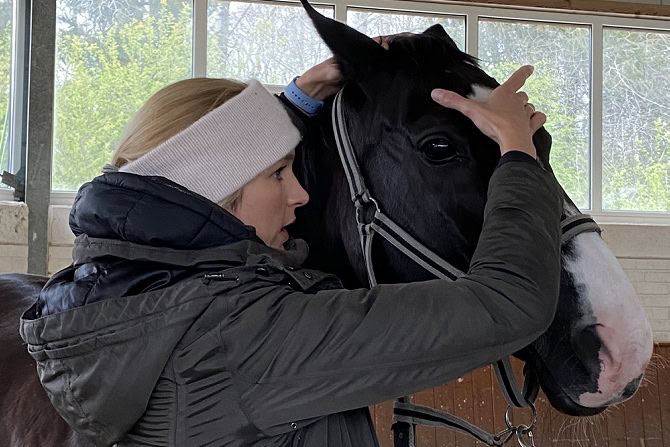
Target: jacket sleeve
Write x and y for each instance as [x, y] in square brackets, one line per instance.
[337, 350]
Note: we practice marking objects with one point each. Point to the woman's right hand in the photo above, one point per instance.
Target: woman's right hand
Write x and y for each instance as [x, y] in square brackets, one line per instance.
[505, 116]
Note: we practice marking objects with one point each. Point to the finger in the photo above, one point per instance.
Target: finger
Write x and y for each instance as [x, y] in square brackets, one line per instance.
[383, 41]
[536, 121]
[518, 78]
[452, 100]
[530, 109]
[523, 97]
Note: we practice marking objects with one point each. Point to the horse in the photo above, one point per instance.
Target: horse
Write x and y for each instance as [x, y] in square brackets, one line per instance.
[429, 168]
[28, 419]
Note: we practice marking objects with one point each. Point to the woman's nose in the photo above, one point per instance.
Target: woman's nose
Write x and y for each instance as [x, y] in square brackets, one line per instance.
[297, 194]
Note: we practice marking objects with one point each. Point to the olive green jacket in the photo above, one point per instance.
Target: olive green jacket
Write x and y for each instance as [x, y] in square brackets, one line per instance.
[237, 345]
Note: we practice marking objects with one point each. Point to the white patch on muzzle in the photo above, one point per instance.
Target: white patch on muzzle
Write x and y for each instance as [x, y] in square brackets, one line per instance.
[621, 322]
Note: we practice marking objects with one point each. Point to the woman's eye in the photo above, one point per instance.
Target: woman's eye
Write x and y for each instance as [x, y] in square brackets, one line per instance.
[277, 173]
[439, 150]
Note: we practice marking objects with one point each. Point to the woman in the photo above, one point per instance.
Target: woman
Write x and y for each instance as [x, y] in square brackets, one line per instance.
[186, 319]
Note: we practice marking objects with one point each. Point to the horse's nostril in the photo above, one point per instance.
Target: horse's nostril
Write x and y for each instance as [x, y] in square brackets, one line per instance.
[631, 388]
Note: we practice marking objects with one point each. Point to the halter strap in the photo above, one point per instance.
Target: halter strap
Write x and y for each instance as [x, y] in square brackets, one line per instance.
[407, 415]
[571, 226]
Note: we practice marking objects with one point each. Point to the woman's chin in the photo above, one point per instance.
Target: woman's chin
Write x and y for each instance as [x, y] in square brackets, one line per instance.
[281, 239]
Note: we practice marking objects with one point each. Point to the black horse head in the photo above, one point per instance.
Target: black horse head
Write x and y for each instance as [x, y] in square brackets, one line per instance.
[429, 169]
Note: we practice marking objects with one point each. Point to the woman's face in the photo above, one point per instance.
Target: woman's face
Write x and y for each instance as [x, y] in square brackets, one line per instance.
[269, 201]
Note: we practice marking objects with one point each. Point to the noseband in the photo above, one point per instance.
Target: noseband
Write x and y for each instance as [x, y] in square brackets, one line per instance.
[371, 220]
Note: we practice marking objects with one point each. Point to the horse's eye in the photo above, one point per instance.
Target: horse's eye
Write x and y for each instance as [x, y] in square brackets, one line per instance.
[439, 150]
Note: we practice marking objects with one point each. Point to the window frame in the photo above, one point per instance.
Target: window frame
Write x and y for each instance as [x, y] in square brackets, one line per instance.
[17, 102]
[596, 21]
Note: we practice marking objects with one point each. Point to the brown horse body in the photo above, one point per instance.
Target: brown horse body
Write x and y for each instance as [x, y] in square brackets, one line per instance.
[28, 419]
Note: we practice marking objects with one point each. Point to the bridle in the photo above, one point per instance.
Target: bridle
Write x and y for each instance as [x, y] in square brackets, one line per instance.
[371, 220]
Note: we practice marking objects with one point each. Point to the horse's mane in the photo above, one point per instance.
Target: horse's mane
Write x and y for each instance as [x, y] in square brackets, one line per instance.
[432, 46]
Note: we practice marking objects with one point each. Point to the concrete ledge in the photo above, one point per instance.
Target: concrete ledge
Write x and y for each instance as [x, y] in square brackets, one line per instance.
[638, 241]
[59, 226]
[13, 223]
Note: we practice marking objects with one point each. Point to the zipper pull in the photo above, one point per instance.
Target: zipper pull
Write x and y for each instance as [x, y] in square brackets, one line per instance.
[221, 277]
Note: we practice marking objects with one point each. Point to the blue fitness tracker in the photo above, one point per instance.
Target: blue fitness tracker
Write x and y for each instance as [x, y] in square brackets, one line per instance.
[307, 104]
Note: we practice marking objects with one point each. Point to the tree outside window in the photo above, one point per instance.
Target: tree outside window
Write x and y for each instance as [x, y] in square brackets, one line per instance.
[110, 58]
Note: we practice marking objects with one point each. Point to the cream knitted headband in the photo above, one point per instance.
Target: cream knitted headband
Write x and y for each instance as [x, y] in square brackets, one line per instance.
[226, 148]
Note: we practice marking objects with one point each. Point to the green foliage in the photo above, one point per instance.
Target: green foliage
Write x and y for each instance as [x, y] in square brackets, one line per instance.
[103, 79]
[641, 180]
[558, 88]
[269, 42]
[636, 107]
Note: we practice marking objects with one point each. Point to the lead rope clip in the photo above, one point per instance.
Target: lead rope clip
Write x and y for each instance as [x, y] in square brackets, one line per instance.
[523, 432]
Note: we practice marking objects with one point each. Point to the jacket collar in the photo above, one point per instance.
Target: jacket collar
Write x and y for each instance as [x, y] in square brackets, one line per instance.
[244, 252]
[153, 211]
[135, 217]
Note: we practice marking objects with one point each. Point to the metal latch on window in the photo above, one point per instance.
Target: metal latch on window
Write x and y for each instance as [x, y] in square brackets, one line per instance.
[17, 182]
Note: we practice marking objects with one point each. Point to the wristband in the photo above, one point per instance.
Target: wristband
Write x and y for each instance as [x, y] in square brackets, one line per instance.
[301, 100]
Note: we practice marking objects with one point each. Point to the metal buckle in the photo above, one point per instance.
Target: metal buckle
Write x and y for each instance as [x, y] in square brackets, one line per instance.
[362, 203]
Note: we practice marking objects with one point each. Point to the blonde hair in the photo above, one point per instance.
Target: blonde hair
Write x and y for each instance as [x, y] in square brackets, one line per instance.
[171, 110]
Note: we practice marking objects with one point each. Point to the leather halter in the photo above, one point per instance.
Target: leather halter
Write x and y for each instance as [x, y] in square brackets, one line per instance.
[370, 221]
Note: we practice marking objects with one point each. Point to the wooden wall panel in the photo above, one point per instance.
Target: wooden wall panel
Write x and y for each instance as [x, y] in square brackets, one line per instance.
[643, 421]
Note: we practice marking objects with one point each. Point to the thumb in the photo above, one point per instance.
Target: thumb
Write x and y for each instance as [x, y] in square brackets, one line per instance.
[451, 100]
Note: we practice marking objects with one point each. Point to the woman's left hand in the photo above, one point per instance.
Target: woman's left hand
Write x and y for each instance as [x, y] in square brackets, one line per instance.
[325, 79]
[321, 81]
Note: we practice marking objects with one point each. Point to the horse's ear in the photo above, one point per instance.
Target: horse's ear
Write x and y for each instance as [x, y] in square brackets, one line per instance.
[355, 53]
[438, 31]
[542, 141]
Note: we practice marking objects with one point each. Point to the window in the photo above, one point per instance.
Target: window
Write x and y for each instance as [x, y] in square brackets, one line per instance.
[110, 57]
[271, 43]
[385, 23]
[560, 87]
[602, 80]
[6, 12]
[636, 123]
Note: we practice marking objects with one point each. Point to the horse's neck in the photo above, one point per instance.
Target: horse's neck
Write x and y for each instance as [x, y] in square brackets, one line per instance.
[326, 221]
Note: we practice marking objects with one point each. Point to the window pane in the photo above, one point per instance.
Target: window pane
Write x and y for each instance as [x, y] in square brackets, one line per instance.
[560, 87]
[271, 43]
[636, 120]
[110, 57]
[5, 78]
[384, 23]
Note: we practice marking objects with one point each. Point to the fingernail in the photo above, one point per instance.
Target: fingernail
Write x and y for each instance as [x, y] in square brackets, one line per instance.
[532, 69]
[437, 95]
